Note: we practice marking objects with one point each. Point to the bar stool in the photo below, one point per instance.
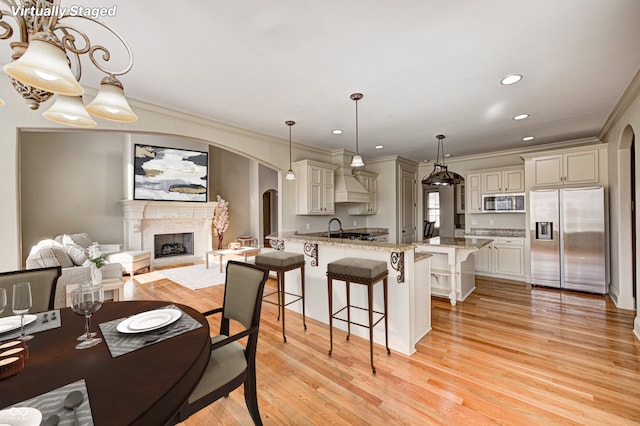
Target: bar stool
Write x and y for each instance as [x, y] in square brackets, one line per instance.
[281, 262]
[358, 271]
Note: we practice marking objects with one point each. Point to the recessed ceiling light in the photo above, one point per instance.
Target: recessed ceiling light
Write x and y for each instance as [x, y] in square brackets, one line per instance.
[337, 131]
[521, 116]
[510, 79]
[528, 138]
[379, 146]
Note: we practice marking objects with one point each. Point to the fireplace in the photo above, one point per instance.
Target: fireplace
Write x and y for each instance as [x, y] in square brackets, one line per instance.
[167, 245]
[144, 220]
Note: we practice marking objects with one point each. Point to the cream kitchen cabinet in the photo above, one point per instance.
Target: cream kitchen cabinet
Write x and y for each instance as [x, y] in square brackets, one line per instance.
[314, 188]
[505, 180]
[503, 258]
[473, 190]
[569, 168]
[370, 182]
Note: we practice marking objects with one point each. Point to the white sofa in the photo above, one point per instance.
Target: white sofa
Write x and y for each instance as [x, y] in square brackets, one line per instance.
[70, 252]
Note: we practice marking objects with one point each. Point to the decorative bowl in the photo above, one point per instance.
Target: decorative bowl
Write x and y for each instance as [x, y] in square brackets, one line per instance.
[235, 246]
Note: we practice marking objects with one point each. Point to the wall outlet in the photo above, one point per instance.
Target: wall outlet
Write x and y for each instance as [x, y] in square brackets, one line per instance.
[308, 227]
[355, 223]
[474, 221]
[491, 222]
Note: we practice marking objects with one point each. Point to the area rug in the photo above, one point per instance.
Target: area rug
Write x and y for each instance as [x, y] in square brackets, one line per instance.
[195, 276]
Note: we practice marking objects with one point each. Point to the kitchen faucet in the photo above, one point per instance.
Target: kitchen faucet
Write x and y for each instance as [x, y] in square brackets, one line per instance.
[329, 226]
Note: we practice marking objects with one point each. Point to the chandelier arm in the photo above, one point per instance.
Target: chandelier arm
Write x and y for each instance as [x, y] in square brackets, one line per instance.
[8, 29]
[68, 40]
[106, 55]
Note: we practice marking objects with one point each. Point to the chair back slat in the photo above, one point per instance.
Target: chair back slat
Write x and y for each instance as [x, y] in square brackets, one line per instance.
[43, 287]
[243, 292]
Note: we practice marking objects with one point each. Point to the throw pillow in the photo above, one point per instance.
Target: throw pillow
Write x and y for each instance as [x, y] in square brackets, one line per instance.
[76, 252]
[49, 256]
[81, 239]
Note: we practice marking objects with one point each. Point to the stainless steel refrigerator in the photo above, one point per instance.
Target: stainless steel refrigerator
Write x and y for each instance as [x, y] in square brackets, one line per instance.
[568, 248]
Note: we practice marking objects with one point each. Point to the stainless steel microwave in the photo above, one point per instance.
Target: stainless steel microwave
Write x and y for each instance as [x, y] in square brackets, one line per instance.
[503, 203]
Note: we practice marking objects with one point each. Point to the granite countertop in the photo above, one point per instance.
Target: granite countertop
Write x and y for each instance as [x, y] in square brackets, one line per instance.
[466, 243]
[375, 232]
[340, 242]
[495, 232]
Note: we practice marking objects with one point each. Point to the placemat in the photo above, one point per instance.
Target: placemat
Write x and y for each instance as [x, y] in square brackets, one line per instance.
[46, 321]
[52, 402]
[122, 343]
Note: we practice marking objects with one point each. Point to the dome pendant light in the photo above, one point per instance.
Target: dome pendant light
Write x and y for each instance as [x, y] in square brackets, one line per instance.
[357, 160]
[290, 175]
[441, 176]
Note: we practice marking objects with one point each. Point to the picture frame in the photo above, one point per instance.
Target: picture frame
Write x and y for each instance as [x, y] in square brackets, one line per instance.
[170, 174]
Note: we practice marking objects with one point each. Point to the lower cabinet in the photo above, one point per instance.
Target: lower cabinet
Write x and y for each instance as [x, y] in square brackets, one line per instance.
[503, 258]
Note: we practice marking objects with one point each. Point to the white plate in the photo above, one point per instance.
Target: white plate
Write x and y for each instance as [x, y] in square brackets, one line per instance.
[150, 320]
[20, 416]
[13, 322]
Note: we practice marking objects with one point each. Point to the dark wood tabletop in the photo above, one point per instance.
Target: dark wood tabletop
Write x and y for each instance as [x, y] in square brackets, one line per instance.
[146, 386]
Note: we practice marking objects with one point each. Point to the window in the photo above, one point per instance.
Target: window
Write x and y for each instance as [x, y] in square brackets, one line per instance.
[433, 207]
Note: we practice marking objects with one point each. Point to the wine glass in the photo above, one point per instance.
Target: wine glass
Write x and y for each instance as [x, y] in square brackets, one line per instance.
[86, 300]
[83, 336]
[21, 305]
[3, 299]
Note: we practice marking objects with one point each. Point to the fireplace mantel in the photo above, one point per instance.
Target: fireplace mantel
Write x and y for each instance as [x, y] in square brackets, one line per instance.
[143, 219]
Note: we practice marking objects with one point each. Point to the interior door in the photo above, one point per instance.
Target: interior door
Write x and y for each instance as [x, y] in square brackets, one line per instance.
[408, 206]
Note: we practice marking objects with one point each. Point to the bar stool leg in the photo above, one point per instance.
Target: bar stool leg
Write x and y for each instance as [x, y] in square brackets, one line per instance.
[304, 321]
[348, 309]
[281, 299]
[278, 294]
[330, 288]
[370, 297]
[386, 322]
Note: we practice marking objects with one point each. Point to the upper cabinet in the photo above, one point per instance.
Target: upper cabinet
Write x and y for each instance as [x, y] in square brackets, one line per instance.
[473, 190]
[491, 181]
[314, 188]
[505, 180]
[370, 182]
[576, 166]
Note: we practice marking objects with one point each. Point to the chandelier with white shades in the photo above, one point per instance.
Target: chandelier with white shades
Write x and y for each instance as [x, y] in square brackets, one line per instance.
[46, 61]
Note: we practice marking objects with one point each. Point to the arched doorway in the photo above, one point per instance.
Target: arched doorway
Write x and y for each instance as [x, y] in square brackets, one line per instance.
[624, 235]
[269, 214]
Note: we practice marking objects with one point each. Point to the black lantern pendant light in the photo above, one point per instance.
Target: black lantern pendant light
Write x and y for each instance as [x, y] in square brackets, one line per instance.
[440, 174]
[290, 175]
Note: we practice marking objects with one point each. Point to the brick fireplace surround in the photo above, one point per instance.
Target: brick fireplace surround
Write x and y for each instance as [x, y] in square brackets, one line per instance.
[144, 219]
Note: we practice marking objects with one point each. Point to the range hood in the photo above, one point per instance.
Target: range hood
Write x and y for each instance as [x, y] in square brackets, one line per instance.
[348, 189]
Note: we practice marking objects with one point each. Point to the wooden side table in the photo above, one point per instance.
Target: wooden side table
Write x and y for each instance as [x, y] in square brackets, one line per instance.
[248, 241]
[230, 252]
[110, 285]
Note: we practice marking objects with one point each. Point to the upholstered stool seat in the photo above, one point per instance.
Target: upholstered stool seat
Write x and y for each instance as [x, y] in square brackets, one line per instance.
[132, 260]
[281, 262]
[359, 271]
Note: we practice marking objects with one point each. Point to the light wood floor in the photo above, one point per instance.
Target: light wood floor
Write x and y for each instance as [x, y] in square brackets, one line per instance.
[509, 355]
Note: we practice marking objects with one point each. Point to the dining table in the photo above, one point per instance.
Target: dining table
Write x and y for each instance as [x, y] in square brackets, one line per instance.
[145, 386]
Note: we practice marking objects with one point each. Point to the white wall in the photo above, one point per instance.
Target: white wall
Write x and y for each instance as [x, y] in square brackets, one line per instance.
[71, 182]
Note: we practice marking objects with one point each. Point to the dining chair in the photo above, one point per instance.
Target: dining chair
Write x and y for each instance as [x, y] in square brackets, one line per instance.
[43, 287]
[231, 364]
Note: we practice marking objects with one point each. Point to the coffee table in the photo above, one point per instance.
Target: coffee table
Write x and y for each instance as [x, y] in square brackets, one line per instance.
[230, 252]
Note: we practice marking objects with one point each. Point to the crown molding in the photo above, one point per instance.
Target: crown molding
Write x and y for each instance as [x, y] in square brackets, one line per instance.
[629, 96]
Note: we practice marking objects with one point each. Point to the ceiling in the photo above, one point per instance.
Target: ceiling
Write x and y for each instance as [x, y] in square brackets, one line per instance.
[425, 67]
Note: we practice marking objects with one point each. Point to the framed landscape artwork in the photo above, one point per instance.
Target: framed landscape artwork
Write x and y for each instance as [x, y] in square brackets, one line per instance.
[169, 174]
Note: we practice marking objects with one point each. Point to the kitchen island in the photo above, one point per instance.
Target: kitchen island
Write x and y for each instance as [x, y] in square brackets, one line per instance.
[409, 295]
[452, 267]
